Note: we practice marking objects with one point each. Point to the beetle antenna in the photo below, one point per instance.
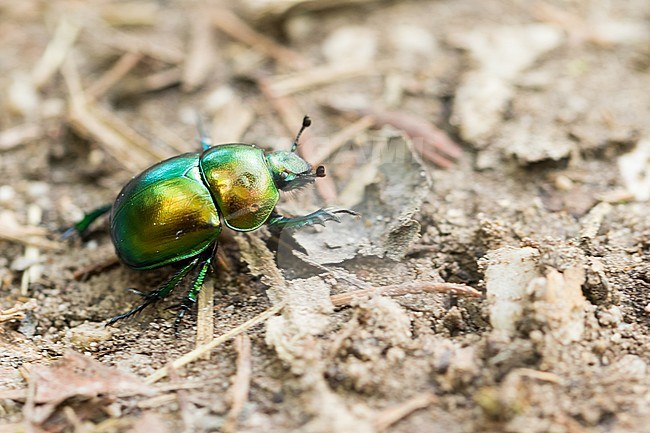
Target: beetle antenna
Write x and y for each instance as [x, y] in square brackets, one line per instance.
[306, 123]
[204, 138]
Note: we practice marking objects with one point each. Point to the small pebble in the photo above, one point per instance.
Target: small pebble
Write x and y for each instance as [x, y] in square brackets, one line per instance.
[7, 193]
[611, 317]
[88, 335]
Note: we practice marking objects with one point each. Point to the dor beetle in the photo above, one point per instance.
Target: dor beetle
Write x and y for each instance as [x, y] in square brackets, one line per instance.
[172, 212]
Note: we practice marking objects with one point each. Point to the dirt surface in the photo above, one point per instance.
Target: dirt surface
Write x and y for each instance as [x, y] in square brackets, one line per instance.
[541, 225]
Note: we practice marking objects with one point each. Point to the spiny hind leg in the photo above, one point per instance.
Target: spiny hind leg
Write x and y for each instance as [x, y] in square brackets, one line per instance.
[158, 294]
[193, 294]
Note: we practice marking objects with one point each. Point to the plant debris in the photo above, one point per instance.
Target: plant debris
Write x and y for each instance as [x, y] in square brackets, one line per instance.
[497, 277]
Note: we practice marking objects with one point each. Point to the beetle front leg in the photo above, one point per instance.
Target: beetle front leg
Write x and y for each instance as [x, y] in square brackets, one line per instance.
[321, 216]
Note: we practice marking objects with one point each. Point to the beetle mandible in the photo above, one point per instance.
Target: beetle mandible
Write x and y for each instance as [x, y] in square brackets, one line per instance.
[173, 211]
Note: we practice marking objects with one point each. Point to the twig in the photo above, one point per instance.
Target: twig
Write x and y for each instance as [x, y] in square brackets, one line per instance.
[167, 134]
[261, 263]
[417, 127]
[570, 424]
[223, 261]
[393, 290]
[32, 253]
[231, 121]
[290, 113]
[17, 312]
[122, 67]
[577, 28]
[131, 13]
[339, 139]
[11, 231]
[199, 60]
[187, 384]
[95, 268]
[156, 81]
[205, 317]
[124, 144]
[36, 242]
[14, 137]
[318, 76]
[236, 28]
[157, 401]
[124, 423]
[241, 385]
[64, 37]
[134, 44]
[406, 289]
[543, 376]
[29, 408]
[181, 397]
[590, 223]
[135, 140]
[75, 421]
[199, 351]
[394, 414]
[427, 139]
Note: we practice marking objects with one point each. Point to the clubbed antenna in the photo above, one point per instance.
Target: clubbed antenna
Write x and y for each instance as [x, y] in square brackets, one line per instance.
[306, 122]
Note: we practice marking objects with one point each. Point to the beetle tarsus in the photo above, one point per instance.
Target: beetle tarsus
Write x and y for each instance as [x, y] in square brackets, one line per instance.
[149, 298]
[185, 307]
[81, 226]
[133, 312]
[156, 295]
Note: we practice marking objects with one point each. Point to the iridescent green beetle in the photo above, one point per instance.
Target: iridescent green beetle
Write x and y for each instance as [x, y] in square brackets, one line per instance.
[173, 211]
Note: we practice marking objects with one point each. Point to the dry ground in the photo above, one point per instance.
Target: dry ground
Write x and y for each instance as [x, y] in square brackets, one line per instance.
[541, 224]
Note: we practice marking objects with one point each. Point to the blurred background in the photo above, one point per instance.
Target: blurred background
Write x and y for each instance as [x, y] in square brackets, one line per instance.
[461, 130]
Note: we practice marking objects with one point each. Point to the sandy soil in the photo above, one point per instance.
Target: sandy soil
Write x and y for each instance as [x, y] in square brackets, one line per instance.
[504, 288]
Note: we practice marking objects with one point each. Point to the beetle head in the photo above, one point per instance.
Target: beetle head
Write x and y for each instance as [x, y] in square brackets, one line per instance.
[289, 170]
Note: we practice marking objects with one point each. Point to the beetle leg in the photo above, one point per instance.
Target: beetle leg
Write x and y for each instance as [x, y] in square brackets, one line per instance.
[81, 226]
[321, 216]
[160, 293]
[204, 138]
[192, 295]
[197, 285]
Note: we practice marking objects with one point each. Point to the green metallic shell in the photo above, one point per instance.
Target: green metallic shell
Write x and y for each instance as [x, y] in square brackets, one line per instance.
[164, 215]
[242, 185]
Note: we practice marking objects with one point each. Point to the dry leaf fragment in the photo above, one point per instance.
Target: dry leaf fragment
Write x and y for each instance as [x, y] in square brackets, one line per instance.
[388, 204]
[432, 143]
[78, 375]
